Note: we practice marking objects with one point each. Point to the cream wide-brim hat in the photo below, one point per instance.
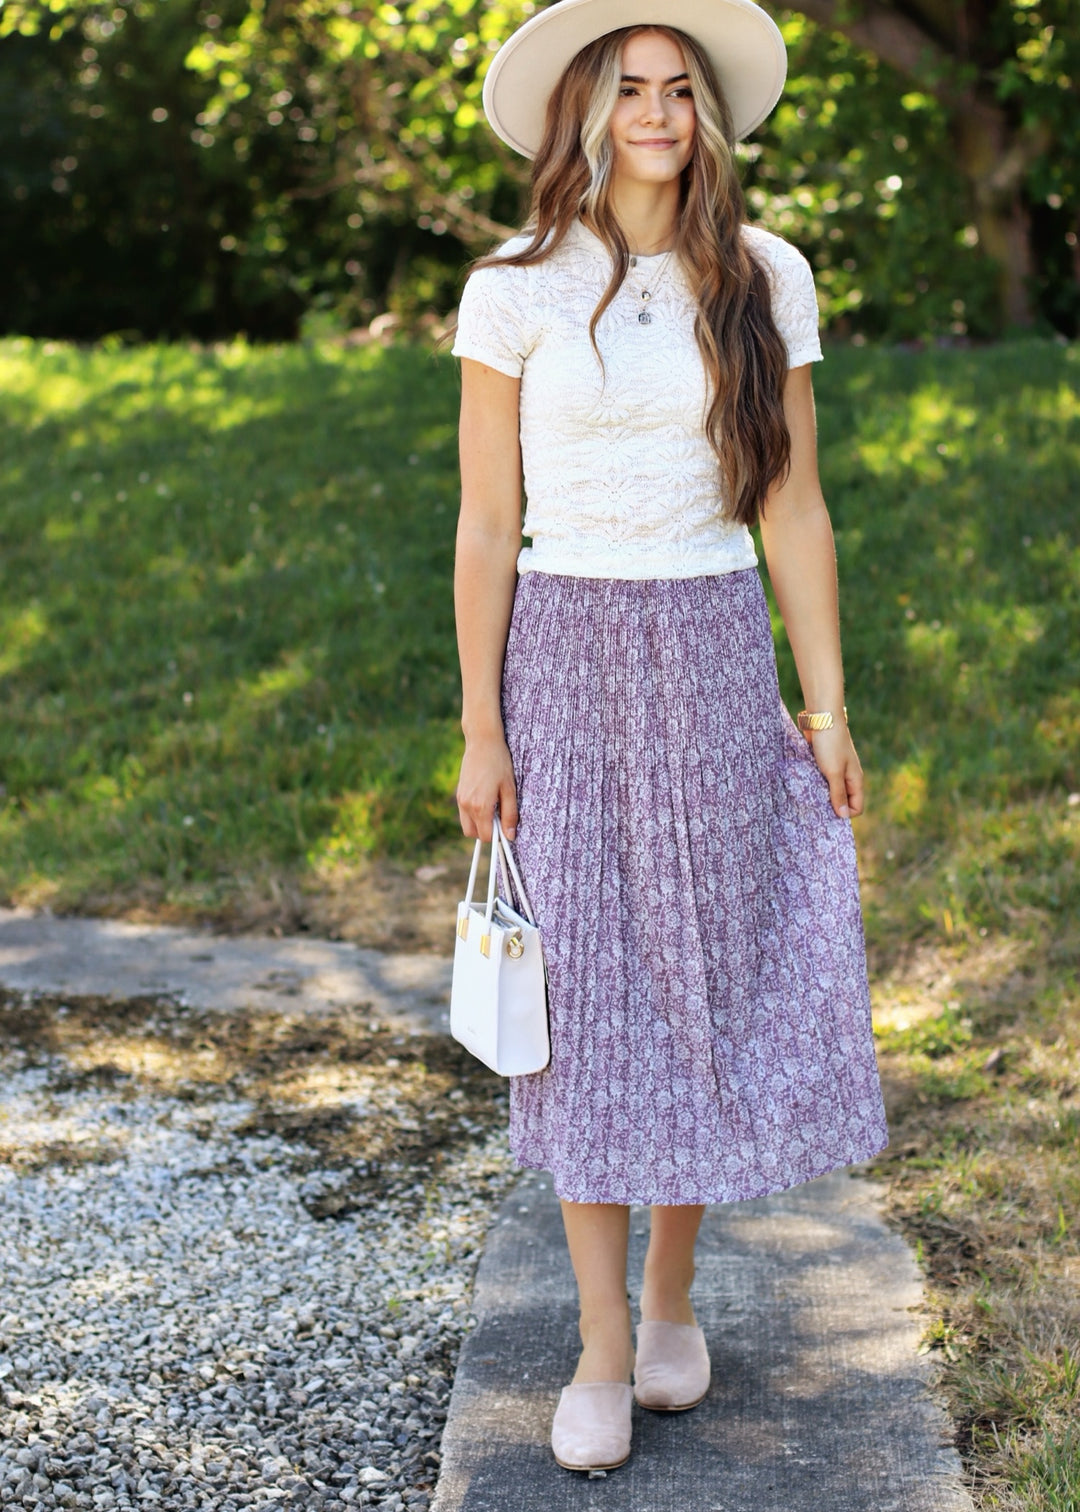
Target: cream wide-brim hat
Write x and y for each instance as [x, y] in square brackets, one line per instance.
[743, 44]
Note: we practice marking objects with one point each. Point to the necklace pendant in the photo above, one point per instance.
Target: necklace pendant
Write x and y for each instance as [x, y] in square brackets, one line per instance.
[644, 318]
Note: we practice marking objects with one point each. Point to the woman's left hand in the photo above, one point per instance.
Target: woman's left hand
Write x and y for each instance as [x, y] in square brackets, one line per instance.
[837, 760]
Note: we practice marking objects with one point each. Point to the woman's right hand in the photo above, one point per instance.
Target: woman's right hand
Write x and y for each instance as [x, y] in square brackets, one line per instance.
[487, 783]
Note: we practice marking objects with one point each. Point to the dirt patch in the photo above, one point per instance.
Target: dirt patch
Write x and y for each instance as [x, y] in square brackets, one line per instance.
[377, 904]
[371, 1108]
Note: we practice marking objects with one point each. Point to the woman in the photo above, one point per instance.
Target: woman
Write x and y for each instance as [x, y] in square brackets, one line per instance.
[642, 355]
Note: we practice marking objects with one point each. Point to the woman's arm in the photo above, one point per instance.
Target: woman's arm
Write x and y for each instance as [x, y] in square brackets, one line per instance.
[485, 571]
[801, 558]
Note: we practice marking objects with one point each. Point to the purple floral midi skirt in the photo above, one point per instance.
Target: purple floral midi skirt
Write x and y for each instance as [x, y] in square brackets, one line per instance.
[697, 897]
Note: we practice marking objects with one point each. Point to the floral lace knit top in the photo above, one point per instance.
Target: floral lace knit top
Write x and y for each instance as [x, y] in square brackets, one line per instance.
[620, 480]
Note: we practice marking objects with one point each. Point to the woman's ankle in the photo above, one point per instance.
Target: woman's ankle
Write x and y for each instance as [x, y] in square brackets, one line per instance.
[606, 1349]
[666, 1304]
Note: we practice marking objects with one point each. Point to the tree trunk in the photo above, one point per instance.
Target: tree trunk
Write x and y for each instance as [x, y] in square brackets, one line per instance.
[992, 153]
[994, 159]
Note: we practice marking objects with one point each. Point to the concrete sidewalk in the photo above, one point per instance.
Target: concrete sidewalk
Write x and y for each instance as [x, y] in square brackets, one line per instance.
[819, 1401]
[295, 975]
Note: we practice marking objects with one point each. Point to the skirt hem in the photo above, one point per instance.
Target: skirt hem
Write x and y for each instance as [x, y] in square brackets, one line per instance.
[749, 1192]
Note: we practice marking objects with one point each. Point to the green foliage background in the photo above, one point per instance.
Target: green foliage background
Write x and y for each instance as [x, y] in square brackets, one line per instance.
[182, 167]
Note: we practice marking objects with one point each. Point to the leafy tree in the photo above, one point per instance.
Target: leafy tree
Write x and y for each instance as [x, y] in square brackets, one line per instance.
[229, 169]
[858, 174]
[1006, 74]
[308, 153]
[117, 216]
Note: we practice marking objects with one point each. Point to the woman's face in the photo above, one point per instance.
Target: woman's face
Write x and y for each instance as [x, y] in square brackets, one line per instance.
[653, 124]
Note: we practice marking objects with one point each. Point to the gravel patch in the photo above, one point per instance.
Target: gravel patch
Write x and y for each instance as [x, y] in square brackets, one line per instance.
[236, 1254]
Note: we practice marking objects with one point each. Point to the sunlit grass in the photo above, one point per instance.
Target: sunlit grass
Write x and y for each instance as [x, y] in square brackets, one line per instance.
[225, 611]
[225, 624]
[984, 1171]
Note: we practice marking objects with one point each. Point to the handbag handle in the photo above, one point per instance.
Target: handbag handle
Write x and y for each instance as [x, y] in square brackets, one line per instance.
[501, 857]
[507, 855]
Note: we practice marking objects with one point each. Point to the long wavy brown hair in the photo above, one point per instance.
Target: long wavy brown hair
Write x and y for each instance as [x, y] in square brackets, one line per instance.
[743, 352]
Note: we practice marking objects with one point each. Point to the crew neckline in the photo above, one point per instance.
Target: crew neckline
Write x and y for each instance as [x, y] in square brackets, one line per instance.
[591, 239]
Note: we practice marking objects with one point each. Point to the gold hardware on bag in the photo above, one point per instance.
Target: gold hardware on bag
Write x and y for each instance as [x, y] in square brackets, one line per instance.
[463, 926]
[515, 945]
[485, 945]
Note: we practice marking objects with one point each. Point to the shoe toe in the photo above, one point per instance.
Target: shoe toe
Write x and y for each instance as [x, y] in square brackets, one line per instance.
[671, 1368]
[591, 1429]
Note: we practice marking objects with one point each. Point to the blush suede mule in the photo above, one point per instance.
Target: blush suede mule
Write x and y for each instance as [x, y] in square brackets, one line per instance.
[591, 1430]
[671, 1368]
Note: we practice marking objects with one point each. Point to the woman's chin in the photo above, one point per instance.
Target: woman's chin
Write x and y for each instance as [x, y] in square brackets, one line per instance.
[648, 173]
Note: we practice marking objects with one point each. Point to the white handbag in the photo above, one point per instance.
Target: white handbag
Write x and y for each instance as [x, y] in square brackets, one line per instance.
[498, 995]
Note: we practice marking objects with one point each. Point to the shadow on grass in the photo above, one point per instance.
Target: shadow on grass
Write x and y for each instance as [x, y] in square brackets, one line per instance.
[950, 477]
[226, 643]
[227, 628]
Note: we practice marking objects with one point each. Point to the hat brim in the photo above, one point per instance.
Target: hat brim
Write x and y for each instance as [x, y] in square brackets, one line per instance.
[742, 42]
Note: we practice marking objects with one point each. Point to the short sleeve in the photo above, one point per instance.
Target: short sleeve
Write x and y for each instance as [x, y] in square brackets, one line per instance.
[794, 301]
[795, 307]
[493, 319]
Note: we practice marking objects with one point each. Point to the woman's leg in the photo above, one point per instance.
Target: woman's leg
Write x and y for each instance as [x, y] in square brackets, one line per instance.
[597, 1233]
[669, 1264]
[671, 1369]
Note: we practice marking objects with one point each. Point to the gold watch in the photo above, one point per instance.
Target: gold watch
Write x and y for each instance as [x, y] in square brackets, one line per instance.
[808, 722]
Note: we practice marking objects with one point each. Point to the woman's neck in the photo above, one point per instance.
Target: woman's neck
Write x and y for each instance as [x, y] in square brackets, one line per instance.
[647, 213]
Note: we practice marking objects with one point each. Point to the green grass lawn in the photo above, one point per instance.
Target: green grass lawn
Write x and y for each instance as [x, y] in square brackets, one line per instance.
[225, 617]
[226, 657]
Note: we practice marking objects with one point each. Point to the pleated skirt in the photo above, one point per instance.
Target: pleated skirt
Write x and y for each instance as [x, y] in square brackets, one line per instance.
[697, 898]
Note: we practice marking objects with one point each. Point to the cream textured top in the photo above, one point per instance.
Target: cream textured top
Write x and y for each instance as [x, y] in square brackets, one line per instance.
[620, 480]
